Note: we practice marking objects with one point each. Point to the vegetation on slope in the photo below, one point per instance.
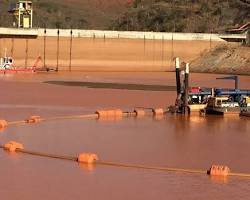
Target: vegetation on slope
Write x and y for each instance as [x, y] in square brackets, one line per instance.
[184, 15]
[136, 15]
[82, 14]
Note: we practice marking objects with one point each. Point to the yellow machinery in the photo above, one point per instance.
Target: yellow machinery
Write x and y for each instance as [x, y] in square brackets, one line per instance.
[23, 14]
[246, 101]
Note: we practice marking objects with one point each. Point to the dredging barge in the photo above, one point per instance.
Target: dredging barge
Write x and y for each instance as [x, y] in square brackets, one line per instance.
[208, 100]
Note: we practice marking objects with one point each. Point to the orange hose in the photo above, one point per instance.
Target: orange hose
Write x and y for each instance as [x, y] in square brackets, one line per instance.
[124, 165]
[37, 119]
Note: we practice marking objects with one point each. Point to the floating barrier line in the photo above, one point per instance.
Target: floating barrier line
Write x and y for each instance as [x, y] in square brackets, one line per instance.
[215, 170]
[135, 166]
[46, 155]
[17, 122]
[102, 114]
[114, 164]
[88, 116]
[70, 158]
[240, 175]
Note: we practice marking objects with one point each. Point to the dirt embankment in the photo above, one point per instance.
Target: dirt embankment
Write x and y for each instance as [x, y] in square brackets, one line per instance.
[224, 58]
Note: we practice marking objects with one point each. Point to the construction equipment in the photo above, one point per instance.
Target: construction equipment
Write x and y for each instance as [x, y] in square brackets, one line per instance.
[222, 105]
[7, 66]
[213, 101]
[188, 99]
[22, 14]
[6, 63]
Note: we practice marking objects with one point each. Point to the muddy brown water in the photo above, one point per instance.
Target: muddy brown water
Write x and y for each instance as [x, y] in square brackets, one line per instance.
[174, 141]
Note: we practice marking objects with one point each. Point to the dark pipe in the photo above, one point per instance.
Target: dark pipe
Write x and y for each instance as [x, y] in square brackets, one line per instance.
[70, 50]
[220, 92]
[235, 78]
[186, 86]
[26, 53]
[57, 52]
[44, 49]
[236, 83]
[178, 79]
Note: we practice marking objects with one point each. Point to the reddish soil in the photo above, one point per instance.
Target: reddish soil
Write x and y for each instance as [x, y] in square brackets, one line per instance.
[225, 58]
[89, 54]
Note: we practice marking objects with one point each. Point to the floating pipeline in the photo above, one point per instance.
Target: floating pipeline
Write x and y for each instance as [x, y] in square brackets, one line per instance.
[34, 119]
[99, 115]
[92, 159]
[3, 124]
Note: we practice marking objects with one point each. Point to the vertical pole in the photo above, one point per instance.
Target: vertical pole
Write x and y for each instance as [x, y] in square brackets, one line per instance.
[12, 47]
[172, 49]
[212, 92]
[57, 52]
[248, 38]
[19, 19]
[236, 83]
[162, 51]
[178, 79]
[186, 89]
[144, 45]
[154, 48]
[44, 49]
[70, 50]
[210, 42]
[31, 18]
[0, 47]
[1, 57]
[26, 53]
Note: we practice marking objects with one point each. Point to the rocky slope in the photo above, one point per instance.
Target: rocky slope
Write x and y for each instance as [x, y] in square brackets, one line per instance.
[226, 58]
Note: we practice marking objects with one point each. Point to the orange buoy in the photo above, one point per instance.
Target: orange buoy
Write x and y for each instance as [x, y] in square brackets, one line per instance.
[88, 158]
[109, 113]
[219, 170]
[158, 111]
[13, 146]
[3, 124]
[34, 119]
[139, 112]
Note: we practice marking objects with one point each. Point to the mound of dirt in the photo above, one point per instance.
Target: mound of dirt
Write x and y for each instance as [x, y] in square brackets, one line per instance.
[225, 58]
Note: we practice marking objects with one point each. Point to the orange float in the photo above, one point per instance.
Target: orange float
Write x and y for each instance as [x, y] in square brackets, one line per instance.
[3, 124]
[109, 113]
[140, 112]
[13, 146]
[34, 119]
[219, 170]
[158, 111]
[87, 158]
